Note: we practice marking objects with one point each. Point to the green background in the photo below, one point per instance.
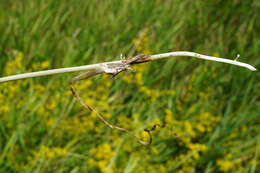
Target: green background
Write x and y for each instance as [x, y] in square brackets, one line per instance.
[203, 104]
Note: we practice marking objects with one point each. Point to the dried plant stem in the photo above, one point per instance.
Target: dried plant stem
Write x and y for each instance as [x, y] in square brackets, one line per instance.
[200, 56]
[49, 72]
[111, 67]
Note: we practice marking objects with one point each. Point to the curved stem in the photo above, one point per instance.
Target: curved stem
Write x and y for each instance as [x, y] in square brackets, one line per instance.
[101, 65]
[200, 56]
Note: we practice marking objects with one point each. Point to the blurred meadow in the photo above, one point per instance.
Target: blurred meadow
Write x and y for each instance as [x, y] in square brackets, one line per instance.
[211, 110]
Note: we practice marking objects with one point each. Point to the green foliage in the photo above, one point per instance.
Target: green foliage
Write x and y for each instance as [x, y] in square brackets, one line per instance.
[211, 110]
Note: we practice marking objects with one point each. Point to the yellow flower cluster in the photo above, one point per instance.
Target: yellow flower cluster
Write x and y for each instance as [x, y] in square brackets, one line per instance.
[4, 108]
[225, 165]
[51, 104]
[229, 161]
[39, 90]
[44, 153]
[10, 90]
[187, 130]
[101, 157]
[189, 157]
[47, 153]
[76, 126]
[206, 122]
[40, 65]
[12, 67]
[144, 168]
[142, 43]
[188, 133]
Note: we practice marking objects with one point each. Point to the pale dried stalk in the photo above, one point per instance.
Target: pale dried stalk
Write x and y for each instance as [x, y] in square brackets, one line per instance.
[107, 68]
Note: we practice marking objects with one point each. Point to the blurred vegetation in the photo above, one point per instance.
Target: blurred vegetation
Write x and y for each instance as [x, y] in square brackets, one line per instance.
[211, 110]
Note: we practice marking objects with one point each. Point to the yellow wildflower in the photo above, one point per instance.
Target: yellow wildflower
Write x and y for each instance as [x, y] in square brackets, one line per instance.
[49, 153]
[189, 129]
[225, 165]
[216, 54]
[14, 65]
[45, 64]
[168, 116]
[36, 66]
[139, 78]
[4, 109]
[103, 154]
[145, 136]
[196, 155]
[51, 105]
[200, 127]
